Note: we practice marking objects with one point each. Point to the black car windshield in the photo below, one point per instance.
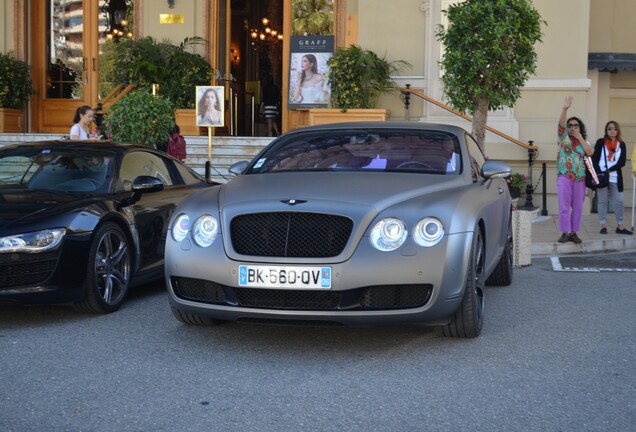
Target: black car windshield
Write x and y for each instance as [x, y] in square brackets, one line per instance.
[419, 151]
[56, 168]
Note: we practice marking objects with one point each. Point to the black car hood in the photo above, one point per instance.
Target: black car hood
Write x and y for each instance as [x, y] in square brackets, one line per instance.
[39, 209]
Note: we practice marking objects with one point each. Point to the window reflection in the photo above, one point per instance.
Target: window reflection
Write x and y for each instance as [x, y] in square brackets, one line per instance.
[65, 52]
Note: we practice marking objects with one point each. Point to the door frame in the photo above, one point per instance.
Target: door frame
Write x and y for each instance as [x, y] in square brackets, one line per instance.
[56, 115]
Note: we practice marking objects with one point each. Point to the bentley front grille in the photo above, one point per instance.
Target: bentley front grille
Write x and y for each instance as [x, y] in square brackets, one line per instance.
[380, 297]
[290, 234]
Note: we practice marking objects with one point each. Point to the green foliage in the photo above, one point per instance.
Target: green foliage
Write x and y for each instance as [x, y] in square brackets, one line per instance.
[141, 118]
[107, 70]
[16, 87]
[178, 71]
[516, 180]
[312, 17]
[358, 77]
[489, 51]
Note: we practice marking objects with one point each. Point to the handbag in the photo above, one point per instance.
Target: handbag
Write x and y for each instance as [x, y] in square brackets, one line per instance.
[595, 180]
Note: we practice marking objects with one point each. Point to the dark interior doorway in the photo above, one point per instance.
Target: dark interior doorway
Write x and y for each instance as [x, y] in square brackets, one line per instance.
[256, 51]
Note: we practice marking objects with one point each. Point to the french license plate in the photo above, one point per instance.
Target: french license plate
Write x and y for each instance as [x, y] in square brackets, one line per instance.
[284, 277]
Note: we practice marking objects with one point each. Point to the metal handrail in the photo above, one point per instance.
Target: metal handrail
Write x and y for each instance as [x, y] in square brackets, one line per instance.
[532, 149]
[419, 94]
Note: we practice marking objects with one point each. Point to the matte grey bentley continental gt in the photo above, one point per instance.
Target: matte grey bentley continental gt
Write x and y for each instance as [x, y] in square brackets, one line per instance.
[350, 223]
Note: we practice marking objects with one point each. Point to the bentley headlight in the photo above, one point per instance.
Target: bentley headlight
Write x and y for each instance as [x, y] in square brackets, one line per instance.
[180, 227]
[388, 234]
[428, 232]
[205, 230]
[38, 241]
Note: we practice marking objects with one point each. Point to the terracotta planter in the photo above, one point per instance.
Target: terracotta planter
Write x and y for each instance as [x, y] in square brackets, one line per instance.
[10, 120]
[186, 119]
[319, 116]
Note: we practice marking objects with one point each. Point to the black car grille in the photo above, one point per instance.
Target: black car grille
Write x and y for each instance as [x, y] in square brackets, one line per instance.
[286, 299]
[290, 234]
[366, 298]
[198, 290]
[19, 269]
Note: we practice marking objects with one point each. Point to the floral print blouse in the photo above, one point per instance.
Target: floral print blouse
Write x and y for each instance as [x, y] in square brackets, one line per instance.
[570, 162]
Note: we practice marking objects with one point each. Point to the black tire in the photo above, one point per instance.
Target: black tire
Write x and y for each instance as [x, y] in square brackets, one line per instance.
[502, 275]
[108, 271]
[192, 319]
[469, 317]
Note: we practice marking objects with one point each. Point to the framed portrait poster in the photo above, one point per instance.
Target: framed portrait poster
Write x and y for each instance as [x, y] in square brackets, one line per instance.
[209, 106]
[308, 71]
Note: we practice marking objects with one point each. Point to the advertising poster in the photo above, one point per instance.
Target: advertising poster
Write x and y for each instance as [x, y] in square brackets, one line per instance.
[308, 72]
[209, 105]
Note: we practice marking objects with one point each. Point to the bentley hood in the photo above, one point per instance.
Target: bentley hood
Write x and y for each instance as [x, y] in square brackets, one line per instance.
[330, 190]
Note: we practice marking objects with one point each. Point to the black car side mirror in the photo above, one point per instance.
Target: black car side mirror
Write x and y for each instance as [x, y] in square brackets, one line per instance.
[142, 185]
[147, 184]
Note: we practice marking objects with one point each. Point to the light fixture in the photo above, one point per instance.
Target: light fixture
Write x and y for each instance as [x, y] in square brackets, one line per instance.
[265, 34]
[116, 11]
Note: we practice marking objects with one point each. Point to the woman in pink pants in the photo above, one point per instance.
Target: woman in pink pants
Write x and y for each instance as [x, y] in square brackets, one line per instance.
[573, 147]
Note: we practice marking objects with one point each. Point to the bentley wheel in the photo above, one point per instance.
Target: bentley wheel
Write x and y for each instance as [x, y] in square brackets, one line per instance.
[502, 275]
[108, 272]
[469, 317]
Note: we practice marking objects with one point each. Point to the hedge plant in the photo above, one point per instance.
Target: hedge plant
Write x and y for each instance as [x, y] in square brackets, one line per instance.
[16, 87]
[141, 118]
[359, 76]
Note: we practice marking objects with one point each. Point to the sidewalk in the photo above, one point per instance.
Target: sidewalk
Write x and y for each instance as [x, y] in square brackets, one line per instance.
[545, 233]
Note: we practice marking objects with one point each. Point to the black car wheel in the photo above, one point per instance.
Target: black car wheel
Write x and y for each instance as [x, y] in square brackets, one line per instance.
[108, 273]
[502, 275]
[469, 317]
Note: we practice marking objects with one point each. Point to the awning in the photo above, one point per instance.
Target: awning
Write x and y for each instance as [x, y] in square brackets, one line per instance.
[611, 62]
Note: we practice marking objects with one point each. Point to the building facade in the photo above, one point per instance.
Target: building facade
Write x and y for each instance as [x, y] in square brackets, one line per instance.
[588, 51]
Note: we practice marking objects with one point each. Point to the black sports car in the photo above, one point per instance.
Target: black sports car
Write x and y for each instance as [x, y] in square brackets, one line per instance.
[83, 221]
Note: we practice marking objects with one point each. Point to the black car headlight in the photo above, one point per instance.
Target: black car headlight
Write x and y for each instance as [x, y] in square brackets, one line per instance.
[428, 232]
[180, 227]
[33, 242]
[388, 234]
[204, 230]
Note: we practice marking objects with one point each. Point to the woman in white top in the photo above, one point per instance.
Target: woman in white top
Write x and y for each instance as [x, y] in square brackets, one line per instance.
[311, 84]
[82, 120]
[610, 154]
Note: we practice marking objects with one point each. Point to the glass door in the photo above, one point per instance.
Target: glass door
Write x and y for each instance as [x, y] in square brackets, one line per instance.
[76, 37]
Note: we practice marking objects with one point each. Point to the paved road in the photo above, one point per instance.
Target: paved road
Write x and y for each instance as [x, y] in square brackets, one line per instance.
[557, 354]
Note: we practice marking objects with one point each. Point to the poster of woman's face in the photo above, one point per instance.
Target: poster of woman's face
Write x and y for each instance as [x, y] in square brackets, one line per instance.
[308, 81]
[309, 72]
[210, 106]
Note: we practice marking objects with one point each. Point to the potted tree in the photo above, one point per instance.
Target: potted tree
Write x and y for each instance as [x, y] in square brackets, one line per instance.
[16, 89]
[357, 78]
[173, 69]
